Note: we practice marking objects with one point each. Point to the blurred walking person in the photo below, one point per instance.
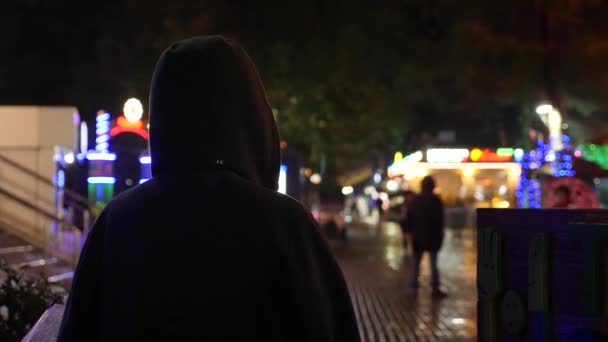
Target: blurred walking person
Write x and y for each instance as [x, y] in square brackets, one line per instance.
[424, 219]
[408, 197]
[379, 206]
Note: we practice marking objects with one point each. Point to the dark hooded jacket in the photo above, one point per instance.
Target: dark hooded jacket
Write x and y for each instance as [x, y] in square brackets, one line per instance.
[207, 250]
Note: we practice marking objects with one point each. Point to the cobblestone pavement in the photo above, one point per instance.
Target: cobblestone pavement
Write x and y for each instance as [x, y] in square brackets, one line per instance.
[377, 269]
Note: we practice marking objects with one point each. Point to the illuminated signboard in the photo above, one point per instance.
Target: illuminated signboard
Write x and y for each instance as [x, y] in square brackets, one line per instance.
[402, 164]
[447, 155]
[501, 155]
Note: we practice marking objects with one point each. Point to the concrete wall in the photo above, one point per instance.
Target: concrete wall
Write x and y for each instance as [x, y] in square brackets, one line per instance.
[29, 136]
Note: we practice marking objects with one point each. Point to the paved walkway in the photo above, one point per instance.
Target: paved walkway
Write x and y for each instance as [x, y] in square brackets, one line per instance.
[377, 270]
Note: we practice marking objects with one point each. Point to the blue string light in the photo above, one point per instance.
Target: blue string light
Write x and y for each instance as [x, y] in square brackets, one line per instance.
[528, 191]
[102, 129]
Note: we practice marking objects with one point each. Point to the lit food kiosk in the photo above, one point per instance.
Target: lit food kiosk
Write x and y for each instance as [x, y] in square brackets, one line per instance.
[484, 178]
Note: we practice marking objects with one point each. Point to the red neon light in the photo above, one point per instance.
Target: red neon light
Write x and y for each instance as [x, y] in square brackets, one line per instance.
[139, 131]
[123, 122]
[123, 126]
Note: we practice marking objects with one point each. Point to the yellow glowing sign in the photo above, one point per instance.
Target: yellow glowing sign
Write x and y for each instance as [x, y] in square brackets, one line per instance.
[398, 157]
[476, 154]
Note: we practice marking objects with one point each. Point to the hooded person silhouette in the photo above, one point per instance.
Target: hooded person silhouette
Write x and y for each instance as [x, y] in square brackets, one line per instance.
[207, 250]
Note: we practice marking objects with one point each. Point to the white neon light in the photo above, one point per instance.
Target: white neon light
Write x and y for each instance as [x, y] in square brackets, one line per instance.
[143, 180]
[446, 155]
[283, 179]
[103, 117]
[347, 190]
[145, 160]
[101, 180]
[101, 156]
[458, 166]
[84, 137]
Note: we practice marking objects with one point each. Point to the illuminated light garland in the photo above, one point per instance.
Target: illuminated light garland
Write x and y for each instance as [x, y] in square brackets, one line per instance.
[101, 156]
[102, 130]
[101, 180]
[528, 191]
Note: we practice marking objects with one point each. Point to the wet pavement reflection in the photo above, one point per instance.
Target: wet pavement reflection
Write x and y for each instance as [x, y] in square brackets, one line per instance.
[377, 269]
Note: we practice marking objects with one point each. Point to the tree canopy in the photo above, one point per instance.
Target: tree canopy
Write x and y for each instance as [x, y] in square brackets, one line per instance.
[349, 80]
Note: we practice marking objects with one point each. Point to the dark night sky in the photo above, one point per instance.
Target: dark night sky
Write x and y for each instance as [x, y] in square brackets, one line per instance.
[67, 52]
[49, 55]
[97, 54]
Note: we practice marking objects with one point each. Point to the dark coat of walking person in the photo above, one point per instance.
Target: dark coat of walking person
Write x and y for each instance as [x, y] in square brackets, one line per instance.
[208, 250]
[408, 197]
[425, 220]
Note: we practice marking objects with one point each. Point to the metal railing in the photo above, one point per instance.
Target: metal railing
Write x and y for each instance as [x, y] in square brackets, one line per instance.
[34, 175]
[59, 234]
[53, 243]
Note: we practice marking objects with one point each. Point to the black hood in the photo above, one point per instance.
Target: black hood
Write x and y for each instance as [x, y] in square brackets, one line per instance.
[208, 109]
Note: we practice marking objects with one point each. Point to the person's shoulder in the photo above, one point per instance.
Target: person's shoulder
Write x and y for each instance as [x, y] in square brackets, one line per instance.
[145, 189]
[132, 200]
[437, 198]
[291, 207]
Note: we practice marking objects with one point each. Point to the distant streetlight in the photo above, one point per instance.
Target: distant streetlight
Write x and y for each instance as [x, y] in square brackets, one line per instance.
[315, 178]
[552, 118]
[544, 109]
[133, 110]
[554, 122]
[347, 190]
